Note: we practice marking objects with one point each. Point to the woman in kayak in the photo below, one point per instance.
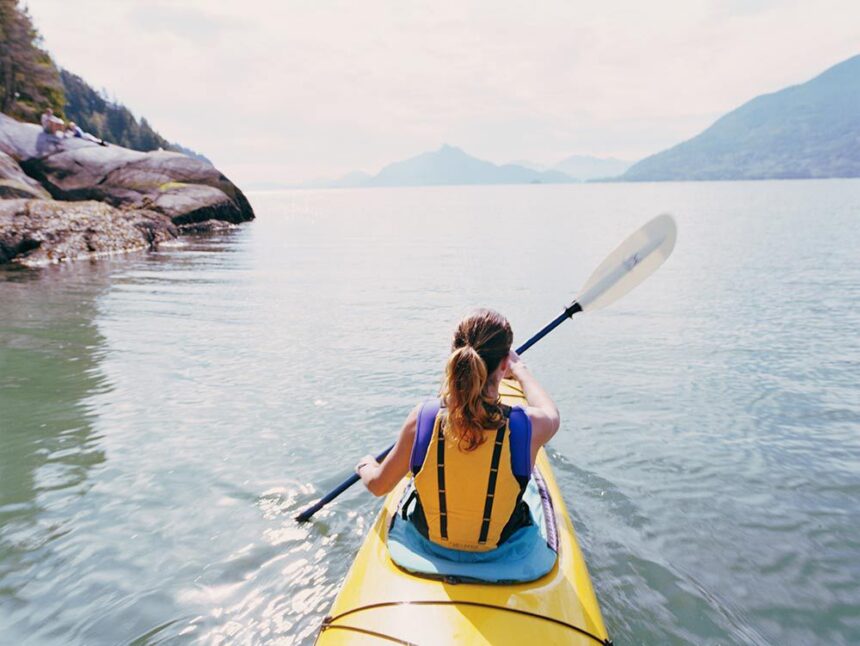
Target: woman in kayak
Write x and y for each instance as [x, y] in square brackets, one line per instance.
[471, 455]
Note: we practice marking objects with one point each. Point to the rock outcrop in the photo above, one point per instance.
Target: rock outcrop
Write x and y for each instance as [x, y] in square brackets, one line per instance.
[15, 183]
[37, 232]
[146, 197]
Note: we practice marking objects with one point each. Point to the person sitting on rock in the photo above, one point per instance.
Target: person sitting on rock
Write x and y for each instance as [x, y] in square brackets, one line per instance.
[74, 130]
[51, 123]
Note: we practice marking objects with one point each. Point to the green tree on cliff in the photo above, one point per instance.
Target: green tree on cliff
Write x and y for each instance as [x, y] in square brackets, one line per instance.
[110, 120]
[29, 80]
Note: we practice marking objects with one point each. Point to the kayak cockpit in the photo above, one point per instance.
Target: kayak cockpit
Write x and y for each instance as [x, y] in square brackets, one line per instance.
[527, 555]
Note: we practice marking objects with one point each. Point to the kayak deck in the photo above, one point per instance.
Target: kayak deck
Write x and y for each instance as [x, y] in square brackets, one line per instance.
[380, 603]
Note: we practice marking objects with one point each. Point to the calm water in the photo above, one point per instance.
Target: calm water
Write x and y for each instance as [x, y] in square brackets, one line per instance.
[163, 416]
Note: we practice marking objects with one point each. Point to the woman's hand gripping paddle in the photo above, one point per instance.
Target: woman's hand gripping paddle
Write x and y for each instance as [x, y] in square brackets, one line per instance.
[632, 262]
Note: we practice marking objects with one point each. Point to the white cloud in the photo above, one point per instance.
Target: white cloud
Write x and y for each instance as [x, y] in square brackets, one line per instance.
[286, 91]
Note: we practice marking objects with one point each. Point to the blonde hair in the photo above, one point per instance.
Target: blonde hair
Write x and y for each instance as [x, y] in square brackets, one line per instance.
[482, 340]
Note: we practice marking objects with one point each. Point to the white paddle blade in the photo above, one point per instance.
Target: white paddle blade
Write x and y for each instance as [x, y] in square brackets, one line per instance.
[631, 263]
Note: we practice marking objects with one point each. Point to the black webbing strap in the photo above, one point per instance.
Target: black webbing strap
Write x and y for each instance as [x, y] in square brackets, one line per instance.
[404, 505]
[440, 477]
[491, 484]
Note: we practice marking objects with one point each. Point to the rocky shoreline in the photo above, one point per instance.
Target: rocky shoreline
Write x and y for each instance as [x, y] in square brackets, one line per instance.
[66, 198]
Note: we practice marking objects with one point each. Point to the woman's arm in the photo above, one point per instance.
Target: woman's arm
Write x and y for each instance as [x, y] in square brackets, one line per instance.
[382, 478]
[541, 410]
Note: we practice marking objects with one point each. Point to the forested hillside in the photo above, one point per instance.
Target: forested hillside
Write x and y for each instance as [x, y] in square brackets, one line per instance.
[30, 81]
[811, 130]
[109, 120]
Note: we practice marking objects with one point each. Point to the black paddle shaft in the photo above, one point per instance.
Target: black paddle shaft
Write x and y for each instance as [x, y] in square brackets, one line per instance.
[568, 312]
[334, 493]
[304, 516]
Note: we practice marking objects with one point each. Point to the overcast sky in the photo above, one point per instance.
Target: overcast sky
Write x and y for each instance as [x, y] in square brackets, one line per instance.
[285, 91]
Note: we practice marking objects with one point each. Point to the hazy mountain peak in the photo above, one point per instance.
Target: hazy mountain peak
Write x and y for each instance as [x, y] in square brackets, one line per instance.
[802, 131]
[449, 165]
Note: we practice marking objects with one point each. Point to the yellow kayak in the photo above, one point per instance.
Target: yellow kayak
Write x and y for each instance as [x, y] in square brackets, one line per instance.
[381, 604]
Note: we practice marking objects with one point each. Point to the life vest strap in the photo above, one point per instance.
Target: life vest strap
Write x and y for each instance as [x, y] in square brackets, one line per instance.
[491, 484]
[440, 475]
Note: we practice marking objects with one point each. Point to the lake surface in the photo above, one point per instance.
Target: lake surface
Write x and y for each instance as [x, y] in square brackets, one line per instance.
[164, 415]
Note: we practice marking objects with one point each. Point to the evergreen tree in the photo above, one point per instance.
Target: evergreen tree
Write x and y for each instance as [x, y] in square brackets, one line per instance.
[29, 81]
[106, 118]
[109, 120]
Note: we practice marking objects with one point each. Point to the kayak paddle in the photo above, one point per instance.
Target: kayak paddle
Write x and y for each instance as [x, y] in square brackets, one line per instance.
[632, 262]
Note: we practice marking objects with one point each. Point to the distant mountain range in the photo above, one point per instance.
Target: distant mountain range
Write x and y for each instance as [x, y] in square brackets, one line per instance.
[803, 131]
[450, 165]
[585, 167]
[447, 166]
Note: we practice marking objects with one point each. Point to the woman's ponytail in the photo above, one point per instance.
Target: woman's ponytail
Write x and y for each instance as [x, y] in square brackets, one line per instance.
[481, 341]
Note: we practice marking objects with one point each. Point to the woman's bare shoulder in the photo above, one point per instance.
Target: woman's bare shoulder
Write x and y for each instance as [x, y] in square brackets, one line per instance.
[411, 422]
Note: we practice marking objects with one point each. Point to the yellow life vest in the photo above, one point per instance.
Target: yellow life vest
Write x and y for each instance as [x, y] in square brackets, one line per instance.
[467, 498]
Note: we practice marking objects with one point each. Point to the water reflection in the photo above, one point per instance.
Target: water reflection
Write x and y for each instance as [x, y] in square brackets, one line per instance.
[50, 351]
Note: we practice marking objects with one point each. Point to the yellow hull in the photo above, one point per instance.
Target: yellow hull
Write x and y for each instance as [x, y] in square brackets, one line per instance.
[381, 604]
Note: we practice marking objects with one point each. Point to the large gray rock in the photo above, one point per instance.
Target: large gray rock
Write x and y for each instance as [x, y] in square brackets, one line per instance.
[107, 199]
[15, 183]
[185, 189]
[37, 232]
[24, 140]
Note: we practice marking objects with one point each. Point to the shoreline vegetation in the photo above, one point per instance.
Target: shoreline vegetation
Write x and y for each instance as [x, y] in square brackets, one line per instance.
[31, 81]
[66, 197]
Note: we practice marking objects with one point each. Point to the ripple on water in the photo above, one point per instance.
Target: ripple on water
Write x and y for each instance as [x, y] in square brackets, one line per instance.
[164, 416]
